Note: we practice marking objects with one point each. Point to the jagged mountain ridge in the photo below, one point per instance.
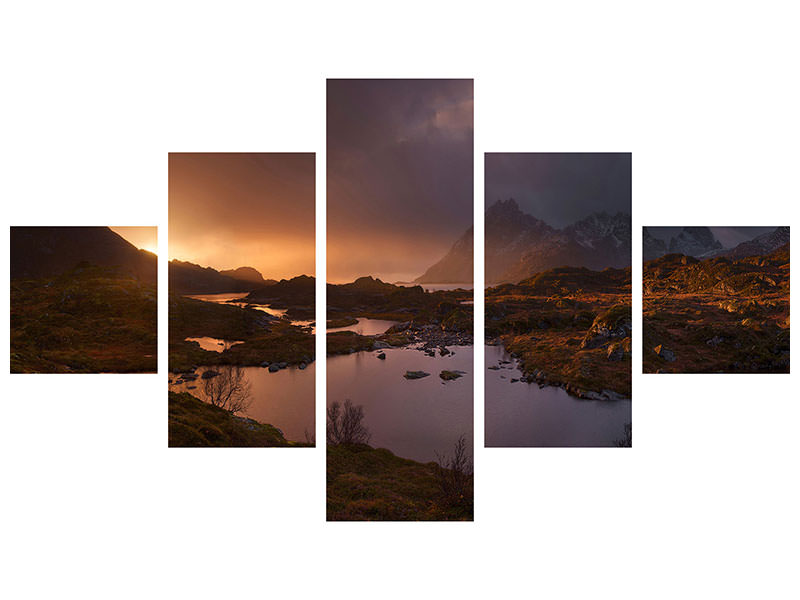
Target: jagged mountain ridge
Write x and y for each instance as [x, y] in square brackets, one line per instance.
[759, 245]
[695, 241]
[518, 245]
[700, 242]
[48, 251]
[652, 247]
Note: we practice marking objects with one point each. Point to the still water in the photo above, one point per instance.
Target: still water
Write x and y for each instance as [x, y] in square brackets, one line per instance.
[213, 344]
[525, 415]
[367, 327]
[413, 418]
[284, 399]
[231, 299]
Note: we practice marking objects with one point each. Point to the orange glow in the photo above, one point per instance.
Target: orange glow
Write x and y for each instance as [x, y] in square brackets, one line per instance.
[144, 238]
[234, 210]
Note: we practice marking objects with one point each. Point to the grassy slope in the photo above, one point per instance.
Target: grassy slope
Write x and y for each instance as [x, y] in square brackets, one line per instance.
[90, 320]
[544, 321]
[265, 340]
[717, 315]
[373, 484]
[196, 424]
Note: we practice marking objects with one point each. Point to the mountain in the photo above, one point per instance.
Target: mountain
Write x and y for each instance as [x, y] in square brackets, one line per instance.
[189, 278]
[455, 266]
[763, 244]
[248, 274]
[519, 245]
[49, 251]
[652, 247]
[694, 241]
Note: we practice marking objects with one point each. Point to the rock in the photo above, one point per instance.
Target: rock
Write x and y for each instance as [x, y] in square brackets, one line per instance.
[665, 353]
[494, 368]
[380, 345]
[514, 380]
[209, 374]
[443, 351]
[265, 364]
[382, 355]
[415, 374]
[283, 365]
[449, 375]
[274, 367]
[189, 376]
[301, 366]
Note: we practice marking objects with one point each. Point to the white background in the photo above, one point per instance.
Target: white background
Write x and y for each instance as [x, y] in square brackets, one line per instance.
[94, 505]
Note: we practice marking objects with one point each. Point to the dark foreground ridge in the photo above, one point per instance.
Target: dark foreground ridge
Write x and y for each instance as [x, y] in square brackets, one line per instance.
[373, 484]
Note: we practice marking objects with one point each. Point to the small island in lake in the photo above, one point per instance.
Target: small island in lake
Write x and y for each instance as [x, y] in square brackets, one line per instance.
[558, 300]
[241, 345]
[399, 300]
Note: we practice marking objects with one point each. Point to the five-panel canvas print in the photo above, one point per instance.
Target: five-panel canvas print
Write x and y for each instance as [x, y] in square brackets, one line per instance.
[399, 329]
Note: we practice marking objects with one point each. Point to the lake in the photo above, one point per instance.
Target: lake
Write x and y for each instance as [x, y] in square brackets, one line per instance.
[525, 415]
[284, 399]
[231, 299]
[367, 326]
[413, 418]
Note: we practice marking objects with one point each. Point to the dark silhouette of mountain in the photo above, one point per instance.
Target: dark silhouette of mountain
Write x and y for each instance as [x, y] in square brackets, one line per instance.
[652, 247]
[762, 244]
[48, 251]
[695, 241]
[455, 266]
[519, 245]
[189, 278]
[248, 274]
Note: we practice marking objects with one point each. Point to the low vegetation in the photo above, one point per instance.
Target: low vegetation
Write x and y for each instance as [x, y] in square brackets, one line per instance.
[569, 327]
[87, 320]
[366, 483]
[719, 315]
[265, 338]
[196, 424]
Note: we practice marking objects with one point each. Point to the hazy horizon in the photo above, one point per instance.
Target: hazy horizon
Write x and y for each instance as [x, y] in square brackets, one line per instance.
[399, 175]
[231, 210]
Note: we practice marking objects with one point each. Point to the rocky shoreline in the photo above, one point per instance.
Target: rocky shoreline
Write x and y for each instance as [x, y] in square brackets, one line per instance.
[539, 377]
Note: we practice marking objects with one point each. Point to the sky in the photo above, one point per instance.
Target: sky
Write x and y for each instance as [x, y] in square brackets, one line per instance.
[727, 236]
[399, 175]
[560, 188]
[243, 210]
[144, 238]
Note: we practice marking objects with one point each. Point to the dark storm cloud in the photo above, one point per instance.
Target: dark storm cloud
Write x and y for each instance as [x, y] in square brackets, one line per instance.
[727, 236]
[560, 188]
[400, 173]
[243, 209]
